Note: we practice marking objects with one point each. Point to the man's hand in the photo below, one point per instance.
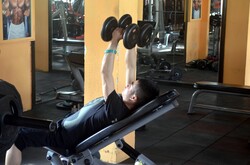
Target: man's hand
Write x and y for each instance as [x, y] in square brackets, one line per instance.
[116, 36]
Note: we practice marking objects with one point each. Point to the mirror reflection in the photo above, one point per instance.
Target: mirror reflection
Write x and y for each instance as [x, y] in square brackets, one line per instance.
[165, 58]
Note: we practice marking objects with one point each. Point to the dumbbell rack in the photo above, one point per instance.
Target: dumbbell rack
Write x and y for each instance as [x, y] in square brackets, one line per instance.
[161, 69]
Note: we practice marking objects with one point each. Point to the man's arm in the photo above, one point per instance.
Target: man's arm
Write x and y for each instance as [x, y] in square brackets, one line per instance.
[5, 8]
[130, 59]
[108, 64]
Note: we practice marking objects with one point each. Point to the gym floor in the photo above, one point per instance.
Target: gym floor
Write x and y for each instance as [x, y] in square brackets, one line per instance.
[206, 137]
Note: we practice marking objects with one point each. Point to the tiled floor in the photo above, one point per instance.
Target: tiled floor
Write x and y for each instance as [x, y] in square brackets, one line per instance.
[203, 138]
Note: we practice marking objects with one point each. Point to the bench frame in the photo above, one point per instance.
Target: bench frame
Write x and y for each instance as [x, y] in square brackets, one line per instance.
[218, 88]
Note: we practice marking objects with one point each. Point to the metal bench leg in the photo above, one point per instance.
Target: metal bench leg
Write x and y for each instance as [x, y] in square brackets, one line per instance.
[193, 100]
[54, 158]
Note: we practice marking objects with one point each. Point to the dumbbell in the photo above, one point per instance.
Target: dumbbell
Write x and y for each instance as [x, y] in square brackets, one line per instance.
[111, 23]
[132, 35]
[131, 30]
[201, 64]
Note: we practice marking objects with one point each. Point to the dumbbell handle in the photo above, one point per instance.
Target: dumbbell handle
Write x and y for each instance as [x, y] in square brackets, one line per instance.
[29, 122]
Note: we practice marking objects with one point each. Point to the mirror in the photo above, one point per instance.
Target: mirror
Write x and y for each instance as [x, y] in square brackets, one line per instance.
[163, 58]
[66, 53]
[166, 58]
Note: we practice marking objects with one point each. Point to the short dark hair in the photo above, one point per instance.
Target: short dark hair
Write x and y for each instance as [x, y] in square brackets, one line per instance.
[146, 91]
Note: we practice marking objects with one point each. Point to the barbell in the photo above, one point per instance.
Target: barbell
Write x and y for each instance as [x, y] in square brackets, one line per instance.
[11, 119]
[132, 35]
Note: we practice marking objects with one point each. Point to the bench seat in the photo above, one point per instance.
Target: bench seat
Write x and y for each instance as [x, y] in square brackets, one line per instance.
[218, 88]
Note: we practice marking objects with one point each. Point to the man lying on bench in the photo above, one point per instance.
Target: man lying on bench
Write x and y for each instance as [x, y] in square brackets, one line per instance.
[116, 107]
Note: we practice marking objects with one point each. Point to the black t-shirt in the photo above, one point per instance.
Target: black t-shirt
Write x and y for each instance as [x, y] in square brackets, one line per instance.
[81, 125]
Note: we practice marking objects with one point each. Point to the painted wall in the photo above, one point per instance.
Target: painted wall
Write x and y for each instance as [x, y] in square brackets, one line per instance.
[197, 33]
[94, 18]
[247, 70]
[15, 68]
[15, 58]
[236, 62]
[42, 36]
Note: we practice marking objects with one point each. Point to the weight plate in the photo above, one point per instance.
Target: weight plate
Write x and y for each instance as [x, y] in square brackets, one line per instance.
[215, 66]
[164, 65]
[201, 64]
[175, 74]
[108, 27]
[130, 36]
[8, 133]
[124, 21]
[145, 35]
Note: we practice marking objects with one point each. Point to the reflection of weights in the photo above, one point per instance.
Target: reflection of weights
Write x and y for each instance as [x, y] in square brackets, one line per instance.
[202, 64]
[175, 73]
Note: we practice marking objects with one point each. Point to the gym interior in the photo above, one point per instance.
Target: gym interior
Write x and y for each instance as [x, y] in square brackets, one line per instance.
[55, 69]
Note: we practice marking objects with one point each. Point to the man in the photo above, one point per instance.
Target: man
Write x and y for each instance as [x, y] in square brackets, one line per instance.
[16, 13]
[196, 13]
[115, 108]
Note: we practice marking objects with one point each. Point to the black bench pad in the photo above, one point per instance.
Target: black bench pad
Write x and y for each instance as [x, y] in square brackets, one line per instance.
[222, 87]
[218, 88]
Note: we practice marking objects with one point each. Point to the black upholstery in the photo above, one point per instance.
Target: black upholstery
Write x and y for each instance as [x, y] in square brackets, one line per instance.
[143, 112]
[148, 108]
[222, 87]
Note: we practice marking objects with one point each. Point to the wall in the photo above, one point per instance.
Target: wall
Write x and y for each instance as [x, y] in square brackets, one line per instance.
[197, 33]
[42, 36]
[247, 70]
[94, 18]
[236, 70]
[15, 58]
[15, 68]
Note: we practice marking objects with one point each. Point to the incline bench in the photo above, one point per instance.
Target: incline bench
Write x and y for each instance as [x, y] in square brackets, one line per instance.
[85, 152]
[218, 88]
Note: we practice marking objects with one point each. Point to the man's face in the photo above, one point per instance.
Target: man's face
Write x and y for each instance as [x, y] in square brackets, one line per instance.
[196, 4]
[129, 90]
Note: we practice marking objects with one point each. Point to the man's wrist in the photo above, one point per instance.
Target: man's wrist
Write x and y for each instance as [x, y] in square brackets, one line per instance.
[110, 51]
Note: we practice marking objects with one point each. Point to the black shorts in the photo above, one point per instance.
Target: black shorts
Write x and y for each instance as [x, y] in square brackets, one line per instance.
[29, 137]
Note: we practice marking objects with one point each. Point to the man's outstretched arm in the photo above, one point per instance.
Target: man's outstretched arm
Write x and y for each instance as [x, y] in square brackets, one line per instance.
[108, 63]
[130, 59]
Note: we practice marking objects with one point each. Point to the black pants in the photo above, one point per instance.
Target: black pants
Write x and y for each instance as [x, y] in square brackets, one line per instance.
[28, 137]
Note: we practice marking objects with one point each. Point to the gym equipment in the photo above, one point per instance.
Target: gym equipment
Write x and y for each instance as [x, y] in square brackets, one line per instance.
[161, 67]
[133, 34]
[83, 153]
[11, 116]
[111, 23]
[218, 88]
[124, 21]
[145, 35]
[215, 66]
[67, 22]
[108, 27]
[73, 99]
[175, 74]
[130, 36]
[215, 25]
[201, 64]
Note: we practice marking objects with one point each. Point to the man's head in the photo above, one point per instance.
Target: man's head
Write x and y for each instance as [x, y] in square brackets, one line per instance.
[196, 4]
[139, 93]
